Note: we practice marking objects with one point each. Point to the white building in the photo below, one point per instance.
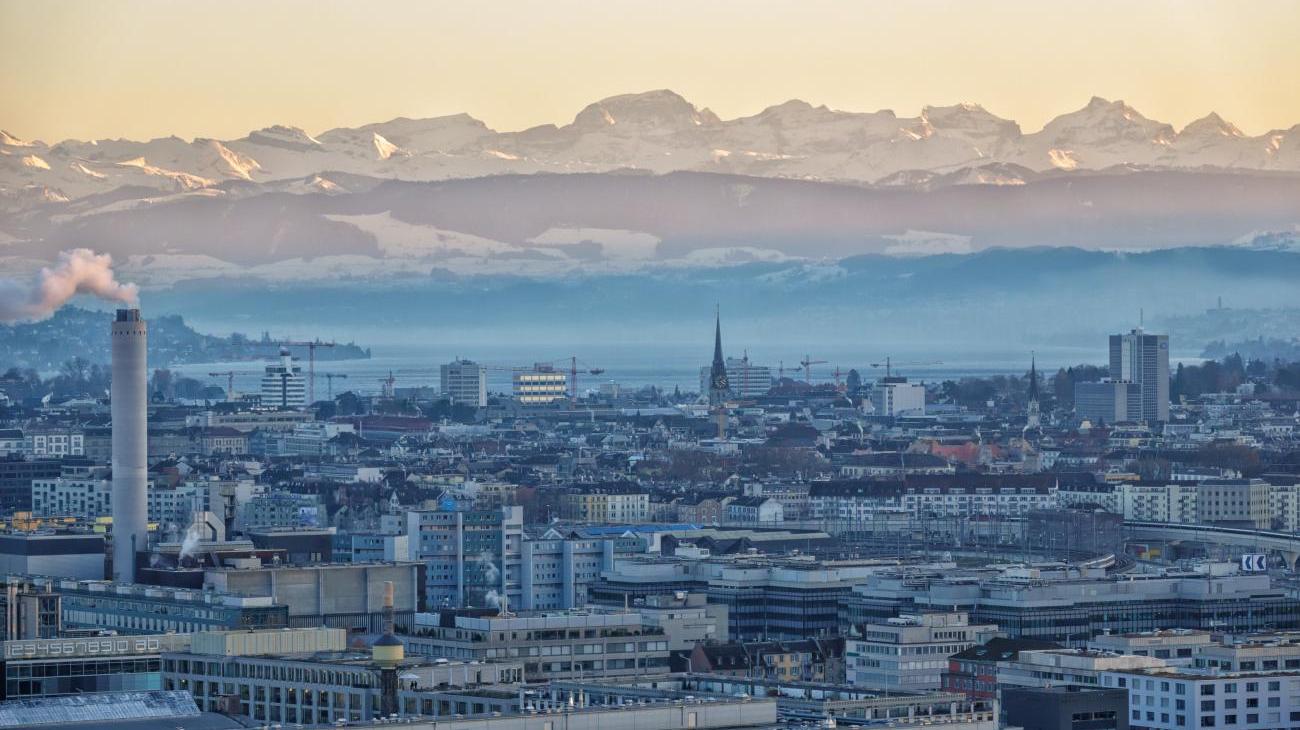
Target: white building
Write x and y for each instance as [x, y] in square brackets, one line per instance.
[540, 386]
[1187, 699]
[893, 396]
[83, 491]
[755, 509]
[54, 442]
[465, 382]
[910, 652]
[283, 385]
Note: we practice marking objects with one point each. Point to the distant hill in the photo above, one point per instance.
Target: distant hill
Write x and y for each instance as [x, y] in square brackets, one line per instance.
[76, 332]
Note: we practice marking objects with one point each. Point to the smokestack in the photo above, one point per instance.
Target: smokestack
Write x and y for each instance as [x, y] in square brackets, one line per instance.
[130, 444]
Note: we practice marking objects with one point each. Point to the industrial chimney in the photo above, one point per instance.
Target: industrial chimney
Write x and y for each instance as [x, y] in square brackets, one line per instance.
[130, 444]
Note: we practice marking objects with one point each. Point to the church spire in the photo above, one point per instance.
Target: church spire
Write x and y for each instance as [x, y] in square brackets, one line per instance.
[719, 384]
[1033, 378]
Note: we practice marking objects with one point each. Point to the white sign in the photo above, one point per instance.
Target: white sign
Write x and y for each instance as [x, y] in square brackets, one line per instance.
[1254, 562]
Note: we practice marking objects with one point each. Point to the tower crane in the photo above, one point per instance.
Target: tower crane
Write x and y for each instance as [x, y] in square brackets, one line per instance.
[889, 364]
[229, 375]
[807, 362]
[311, 346]
[329, 380]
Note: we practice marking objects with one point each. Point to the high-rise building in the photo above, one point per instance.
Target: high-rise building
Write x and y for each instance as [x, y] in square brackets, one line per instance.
[129, 399]
[283, 385]
[1142, 358]
[894, 396]
[745, 379]
[465, 382]
[543, 385]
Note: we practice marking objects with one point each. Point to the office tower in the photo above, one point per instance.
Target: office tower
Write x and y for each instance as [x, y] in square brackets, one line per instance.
[283, 385]
[541, 386]
[465, 382]
[130, 442]
[1141, 358]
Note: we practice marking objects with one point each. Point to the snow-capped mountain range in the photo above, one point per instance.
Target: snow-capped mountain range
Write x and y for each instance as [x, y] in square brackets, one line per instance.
[656, 131]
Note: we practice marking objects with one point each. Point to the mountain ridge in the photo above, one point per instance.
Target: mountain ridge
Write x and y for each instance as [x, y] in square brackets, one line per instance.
[658, 131]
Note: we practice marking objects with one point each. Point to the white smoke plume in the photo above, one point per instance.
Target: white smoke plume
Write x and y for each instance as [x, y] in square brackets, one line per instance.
[490, 571]
[193, 535]
[79, 271]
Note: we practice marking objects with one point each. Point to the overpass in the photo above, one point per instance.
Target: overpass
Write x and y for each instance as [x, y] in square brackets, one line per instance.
[1285, 545]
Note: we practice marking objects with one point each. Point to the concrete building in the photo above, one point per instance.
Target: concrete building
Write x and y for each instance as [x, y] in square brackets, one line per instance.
[348, 596]
[1108, 402]
[469, 557]
[1143, 359]
[910, 652]
[75, 555]
[893, 396]
[744, 379]
[543, 385]
[138, 609]
[465, 383]
[53, 442]
[1177, 647]
[1071, 609]
[557, 571]
[1234, 503]
[283, 384]
[311, 676]
[551, 645]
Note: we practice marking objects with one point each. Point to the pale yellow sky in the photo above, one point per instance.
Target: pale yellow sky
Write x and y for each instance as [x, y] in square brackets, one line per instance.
[221, 68]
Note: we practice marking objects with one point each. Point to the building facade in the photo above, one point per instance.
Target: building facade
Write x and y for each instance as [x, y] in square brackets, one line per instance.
[465, 383]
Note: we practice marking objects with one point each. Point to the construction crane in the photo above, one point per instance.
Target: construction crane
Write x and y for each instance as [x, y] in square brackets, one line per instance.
[329, 381]
[311, 361]
[889, 364]
[229, 375]
[807, 362]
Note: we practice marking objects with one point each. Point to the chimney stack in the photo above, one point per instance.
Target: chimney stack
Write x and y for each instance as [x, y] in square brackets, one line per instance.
[130, 442]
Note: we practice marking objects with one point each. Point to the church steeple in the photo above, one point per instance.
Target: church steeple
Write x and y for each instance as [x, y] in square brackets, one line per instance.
[719, 384]
[1033, 379]
[1033, 419]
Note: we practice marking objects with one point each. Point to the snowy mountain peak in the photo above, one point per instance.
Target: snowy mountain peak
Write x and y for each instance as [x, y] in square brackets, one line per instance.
[967, 117]
[282, 136]
[8, 140]
[1211, 125]
[660, 109]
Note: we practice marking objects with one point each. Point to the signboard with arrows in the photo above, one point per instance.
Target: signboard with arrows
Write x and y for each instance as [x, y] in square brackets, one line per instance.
[1254, 563]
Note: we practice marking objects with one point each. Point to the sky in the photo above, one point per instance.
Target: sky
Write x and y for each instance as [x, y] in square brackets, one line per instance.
[147, 68]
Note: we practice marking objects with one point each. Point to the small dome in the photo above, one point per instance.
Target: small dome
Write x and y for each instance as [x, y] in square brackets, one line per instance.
[387, 640]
